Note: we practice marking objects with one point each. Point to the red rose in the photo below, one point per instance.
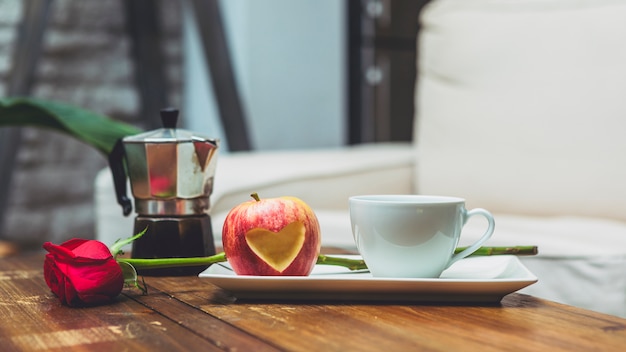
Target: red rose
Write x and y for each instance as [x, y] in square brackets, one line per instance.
[82, 272]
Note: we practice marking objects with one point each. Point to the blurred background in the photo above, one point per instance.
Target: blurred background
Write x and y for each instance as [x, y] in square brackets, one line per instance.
[259, 75]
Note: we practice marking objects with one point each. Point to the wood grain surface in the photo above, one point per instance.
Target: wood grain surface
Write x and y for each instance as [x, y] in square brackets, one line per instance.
[190, 314]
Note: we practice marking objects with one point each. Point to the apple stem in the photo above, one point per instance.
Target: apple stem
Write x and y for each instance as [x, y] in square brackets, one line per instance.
[255, 196]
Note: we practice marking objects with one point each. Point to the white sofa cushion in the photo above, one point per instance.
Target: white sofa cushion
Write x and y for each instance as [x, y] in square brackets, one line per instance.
[521, 105]
[324, 178]
[520, 110]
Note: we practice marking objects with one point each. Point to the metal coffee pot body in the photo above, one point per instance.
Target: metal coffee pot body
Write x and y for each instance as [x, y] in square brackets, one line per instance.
[171, 174]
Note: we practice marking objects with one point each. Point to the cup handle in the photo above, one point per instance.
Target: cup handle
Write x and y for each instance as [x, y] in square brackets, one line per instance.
[471, 249]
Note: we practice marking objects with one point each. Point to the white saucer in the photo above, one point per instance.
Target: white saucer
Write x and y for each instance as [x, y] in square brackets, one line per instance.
[474, 279]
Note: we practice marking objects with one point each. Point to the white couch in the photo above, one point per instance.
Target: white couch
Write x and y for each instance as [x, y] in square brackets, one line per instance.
[521, 109]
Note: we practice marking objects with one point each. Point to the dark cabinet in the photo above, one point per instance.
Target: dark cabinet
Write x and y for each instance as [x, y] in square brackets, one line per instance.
[381, 69]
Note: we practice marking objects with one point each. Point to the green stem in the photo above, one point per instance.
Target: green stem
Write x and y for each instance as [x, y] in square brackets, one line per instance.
[516, 250]
[159, 263]
[352, 264]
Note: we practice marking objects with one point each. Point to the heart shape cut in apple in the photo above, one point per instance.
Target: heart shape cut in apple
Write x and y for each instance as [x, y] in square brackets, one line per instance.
[277, 249]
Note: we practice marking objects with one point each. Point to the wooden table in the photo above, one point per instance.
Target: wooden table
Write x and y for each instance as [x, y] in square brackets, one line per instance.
[190, 314]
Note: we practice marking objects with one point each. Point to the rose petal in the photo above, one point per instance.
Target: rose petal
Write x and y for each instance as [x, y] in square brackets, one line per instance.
[92, 250]
[54, 278]
[57, 251]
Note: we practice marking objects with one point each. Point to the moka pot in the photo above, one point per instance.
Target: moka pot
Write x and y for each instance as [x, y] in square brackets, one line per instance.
[171, 174]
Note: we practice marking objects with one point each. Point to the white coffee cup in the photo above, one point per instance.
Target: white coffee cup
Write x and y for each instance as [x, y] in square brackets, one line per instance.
[411, 235]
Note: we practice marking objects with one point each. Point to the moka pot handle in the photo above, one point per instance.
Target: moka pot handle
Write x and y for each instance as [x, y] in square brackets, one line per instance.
[116, 163]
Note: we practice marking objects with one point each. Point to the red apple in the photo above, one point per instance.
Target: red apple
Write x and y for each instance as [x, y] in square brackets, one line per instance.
[273, 236]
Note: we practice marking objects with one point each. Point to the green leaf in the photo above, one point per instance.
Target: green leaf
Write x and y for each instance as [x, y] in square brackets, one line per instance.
[130, 277]
[116, 248]
[96, 130]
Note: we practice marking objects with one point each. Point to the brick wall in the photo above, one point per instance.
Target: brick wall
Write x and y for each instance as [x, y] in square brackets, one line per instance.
[86, 62]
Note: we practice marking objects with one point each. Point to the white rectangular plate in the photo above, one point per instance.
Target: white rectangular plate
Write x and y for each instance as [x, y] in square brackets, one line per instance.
[474, 279]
